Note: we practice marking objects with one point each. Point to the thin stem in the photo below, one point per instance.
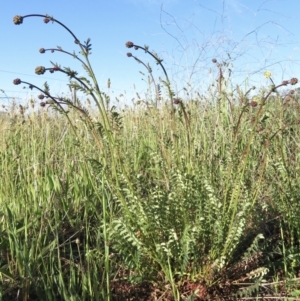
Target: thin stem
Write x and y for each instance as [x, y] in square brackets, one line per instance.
[156, 58]
[53, 20]
[69, 53]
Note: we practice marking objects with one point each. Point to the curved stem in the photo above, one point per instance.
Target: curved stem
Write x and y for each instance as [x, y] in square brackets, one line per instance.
[53, 20]
[153, 80]
[55, 101]
[157, 59]
[102, 110]
[69, 53]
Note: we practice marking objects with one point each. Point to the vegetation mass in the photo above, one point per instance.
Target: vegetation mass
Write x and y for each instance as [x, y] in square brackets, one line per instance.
[171, 199]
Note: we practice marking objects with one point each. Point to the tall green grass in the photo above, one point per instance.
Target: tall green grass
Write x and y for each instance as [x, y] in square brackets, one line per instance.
[185, 201]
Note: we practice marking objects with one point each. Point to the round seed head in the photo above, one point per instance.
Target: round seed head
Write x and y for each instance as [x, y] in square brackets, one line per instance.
[253, 103]
[40, 70]
[294, 81]
[17, 81]
[287, 98]
[18, 20]
[129, 44]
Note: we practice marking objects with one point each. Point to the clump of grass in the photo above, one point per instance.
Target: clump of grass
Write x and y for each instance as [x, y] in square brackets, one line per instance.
[183, 201]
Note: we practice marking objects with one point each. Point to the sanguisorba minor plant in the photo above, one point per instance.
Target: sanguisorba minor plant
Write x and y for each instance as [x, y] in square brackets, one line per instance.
[171, 199]
[108, 164]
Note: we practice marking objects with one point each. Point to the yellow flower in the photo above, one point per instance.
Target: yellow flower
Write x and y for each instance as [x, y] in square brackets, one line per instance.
[267, 74]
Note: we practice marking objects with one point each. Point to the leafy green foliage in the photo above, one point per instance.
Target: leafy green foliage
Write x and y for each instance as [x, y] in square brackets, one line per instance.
[203, 196]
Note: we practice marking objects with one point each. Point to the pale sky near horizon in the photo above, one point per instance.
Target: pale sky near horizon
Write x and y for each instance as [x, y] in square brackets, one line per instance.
[257, 35]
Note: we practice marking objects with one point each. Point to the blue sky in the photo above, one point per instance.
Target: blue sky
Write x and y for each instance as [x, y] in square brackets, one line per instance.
[257, 35]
